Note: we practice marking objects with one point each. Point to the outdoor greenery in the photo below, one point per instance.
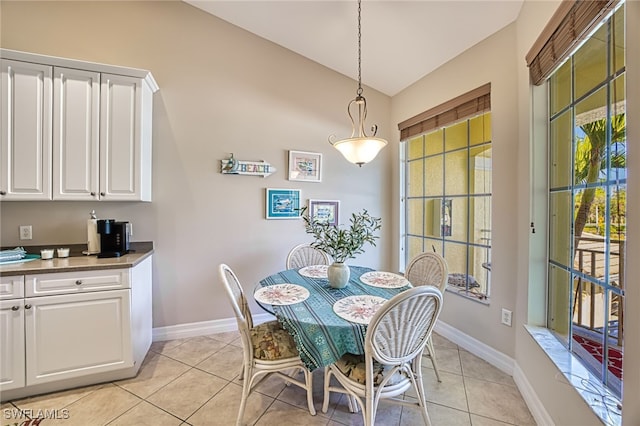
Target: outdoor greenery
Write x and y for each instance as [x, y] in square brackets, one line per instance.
[591, 159]
[343, 243]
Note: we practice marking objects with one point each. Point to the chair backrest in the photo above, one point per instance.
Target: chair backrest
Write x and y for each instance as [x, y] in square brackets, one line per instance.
[306, 255]
[399, 330]
[237, 298]
[428, 268]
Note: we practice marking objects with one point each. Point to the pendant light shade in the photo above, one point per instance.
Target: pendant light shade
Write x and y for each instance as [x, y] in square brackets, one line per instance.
[359, 148]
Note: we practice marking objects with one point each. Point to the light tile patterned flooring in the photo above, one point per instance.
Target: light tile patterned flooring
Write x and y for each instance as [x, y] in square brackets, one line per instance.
[194, 381]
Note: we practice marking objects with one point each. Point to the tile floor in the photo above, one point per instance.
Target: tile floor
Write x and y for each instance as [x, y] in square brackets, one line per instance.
[194, 381]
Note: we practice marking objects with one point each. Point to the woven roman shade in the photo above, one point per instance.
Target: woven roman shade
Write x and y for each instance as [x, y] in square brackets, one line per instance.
[466, 105]
[568, 27]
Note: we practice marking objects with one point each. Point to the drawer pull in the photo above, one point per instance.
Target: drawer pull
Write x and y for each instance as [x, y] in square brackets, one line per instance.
[79, 282]
[27, 306]
[15, 308]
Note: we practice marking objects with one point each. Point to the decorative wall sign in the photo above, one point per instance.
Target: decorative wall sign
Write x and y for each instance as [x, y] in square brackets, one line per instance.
[305, 166]
[325, 211]
[283, 203]
[232, 166]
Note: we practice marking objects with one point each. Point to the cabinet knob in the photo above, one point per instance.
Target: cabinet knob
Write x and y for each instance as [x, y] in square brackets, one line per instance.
[79, 282]
[15, 308]
[102, 194]
[93, 194]
[3, 192]
[27, 306]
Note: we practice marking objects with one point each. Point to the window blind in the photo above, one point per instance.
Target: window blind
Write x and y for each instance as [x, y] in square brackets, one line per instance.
[568, 27]
[466, 105]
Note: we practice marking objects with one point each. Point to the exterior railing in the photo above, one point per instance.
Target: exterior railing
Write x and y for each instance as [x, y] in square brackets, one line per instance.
[591, 261]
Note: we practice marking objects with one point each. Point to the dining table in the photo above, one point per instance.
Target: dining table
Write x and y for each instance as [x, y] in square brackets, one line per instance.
[325, 322]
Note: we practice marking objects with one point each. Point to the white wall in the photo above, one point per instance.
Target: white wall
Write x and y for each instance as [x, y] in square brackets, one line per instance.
[222, 90]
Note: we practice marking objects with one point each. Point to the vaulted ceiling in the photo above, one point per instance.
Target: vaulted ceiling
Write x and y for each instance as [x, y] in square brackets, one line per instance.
[402, 41]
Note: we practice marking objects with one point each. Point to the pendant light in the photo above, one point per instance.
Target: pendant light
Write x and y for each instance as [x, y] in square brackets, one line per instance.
[359, 148]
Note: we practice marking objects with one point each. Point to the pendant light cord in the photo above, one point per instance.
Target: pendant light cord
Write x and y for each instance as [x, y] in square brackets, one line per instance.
[359, 51]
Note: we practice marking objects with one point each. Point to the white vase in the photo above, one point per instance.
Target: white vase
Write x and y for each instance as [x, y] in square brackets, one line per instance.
[338, 274]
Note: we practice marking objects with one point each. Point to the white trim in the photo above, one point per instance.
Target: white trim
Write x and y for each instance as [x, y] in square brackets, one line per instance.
[78, 64]
[503, 363]
[476, 347]
[537, 409]
[203, 328]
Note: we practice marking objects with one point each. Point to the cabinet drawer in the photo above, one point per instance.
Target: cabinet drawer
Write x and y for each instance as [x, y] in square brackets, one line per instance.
[12, 287]
[76, 282]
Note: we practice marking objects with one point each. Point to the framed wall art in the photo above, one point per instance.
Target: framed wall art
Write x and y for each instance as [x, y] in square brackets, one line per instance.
[283, 203]
[325, 211]
[305, 166]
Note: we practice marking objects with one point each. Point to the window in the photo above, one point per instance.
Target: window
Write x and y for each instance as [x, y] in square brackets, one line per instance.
[447, 195]
[587, 201]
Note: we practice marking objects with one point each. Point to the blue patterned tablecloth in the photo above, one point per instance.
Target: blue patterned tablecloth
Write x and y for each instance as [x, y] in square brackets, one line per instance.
[321, 336]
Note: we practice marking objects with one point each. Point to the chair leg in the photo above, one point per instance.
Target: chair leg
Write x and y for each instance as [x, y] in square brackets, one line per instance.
[327, 378]
[432, 355]
[308, 376]
[422, 395]
[246, 389]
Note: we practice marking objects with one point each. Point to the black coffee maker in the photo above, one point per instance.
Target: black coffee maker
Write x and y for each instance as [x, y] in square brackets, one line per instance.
[114, 238]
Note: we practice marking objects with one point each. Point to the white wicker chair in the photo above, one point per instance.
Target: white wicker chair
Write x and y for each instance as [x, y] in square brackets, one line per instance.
[305, 255]
[392, 363]
[429, 268]
[259, 364]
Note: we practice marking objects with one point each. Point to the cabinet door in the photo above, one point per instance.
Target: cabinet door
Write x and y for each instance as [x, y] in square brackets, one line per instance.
[25, 142]
[76, 132]
[76, 335]
[120, 138]
[12, 373]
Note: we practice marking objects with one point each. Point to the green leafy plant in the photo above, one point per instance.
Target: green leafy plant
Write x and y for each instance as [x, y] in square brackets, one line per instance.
[343, 243]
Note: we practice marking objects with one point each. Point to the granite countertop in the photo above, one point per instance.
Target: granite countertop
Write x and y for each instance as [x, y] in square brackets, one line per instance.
[77, 261]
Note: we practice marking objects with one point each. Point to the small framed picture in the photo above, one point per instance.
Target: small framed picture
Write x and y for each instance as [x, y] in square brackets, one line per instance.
[305, 166]
[283, 203]
[325, 211]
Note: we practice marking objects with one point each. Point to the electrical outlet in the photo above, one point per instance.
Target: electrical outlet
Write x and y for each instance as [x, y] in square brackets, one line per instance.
[506, 317]
[26, 232]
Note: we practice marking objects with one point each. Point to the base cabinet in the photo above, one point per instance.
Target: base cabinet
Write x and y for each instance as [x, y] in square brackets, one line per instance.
[12, 356]
[74, 329]
[74, 335]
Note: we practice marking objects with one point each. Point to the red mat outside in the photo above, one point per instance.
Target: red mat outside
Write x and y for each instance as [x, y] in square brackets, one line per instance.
[595, 350]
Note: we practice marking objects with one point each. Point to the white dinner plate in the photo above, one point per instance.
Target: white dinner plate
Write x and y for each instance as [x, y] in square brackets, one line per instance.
[281, 294]
[384, 279]
[358, 309]
[314, 271]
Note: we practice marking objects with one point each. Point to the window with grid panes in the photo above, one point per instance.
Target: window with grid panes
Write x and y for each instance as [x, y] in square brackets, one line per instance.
[448, 201]
[587, 201]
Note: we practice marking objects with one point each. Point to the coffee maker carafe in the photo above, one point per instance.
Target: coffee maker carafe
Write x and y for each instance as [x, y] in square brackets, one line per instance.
[114, 238]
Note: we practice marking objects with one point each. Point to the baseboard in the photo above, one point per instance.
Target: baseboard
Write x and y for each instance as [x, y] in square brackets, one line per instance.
[502, 362]
[539, 413]
[203, 328]
[476, 347]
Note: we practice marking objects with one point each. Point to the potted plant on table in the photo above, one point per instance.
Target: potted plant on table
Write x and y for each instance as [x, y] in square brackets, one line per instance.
[342, 243]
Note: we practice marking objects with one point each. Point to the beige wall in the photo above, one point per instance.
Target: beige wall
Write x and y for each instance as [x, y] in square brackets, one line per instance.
[222, 90]
[491, 61]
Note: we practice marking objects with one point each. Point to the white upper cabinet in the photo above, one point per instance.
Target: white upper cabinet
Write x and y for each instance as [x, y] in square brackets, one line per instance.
[25, 143]
[76, 134]
[125, 139]
[96, 141]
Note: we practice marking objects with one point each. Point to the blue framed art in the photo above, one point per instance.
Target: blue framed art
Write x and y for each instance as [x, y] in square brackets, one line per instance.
[283, 203]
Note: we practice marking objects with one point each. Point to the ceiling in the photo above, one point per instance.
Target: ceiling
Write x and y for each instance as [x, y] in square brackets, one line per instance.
[402, 41]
